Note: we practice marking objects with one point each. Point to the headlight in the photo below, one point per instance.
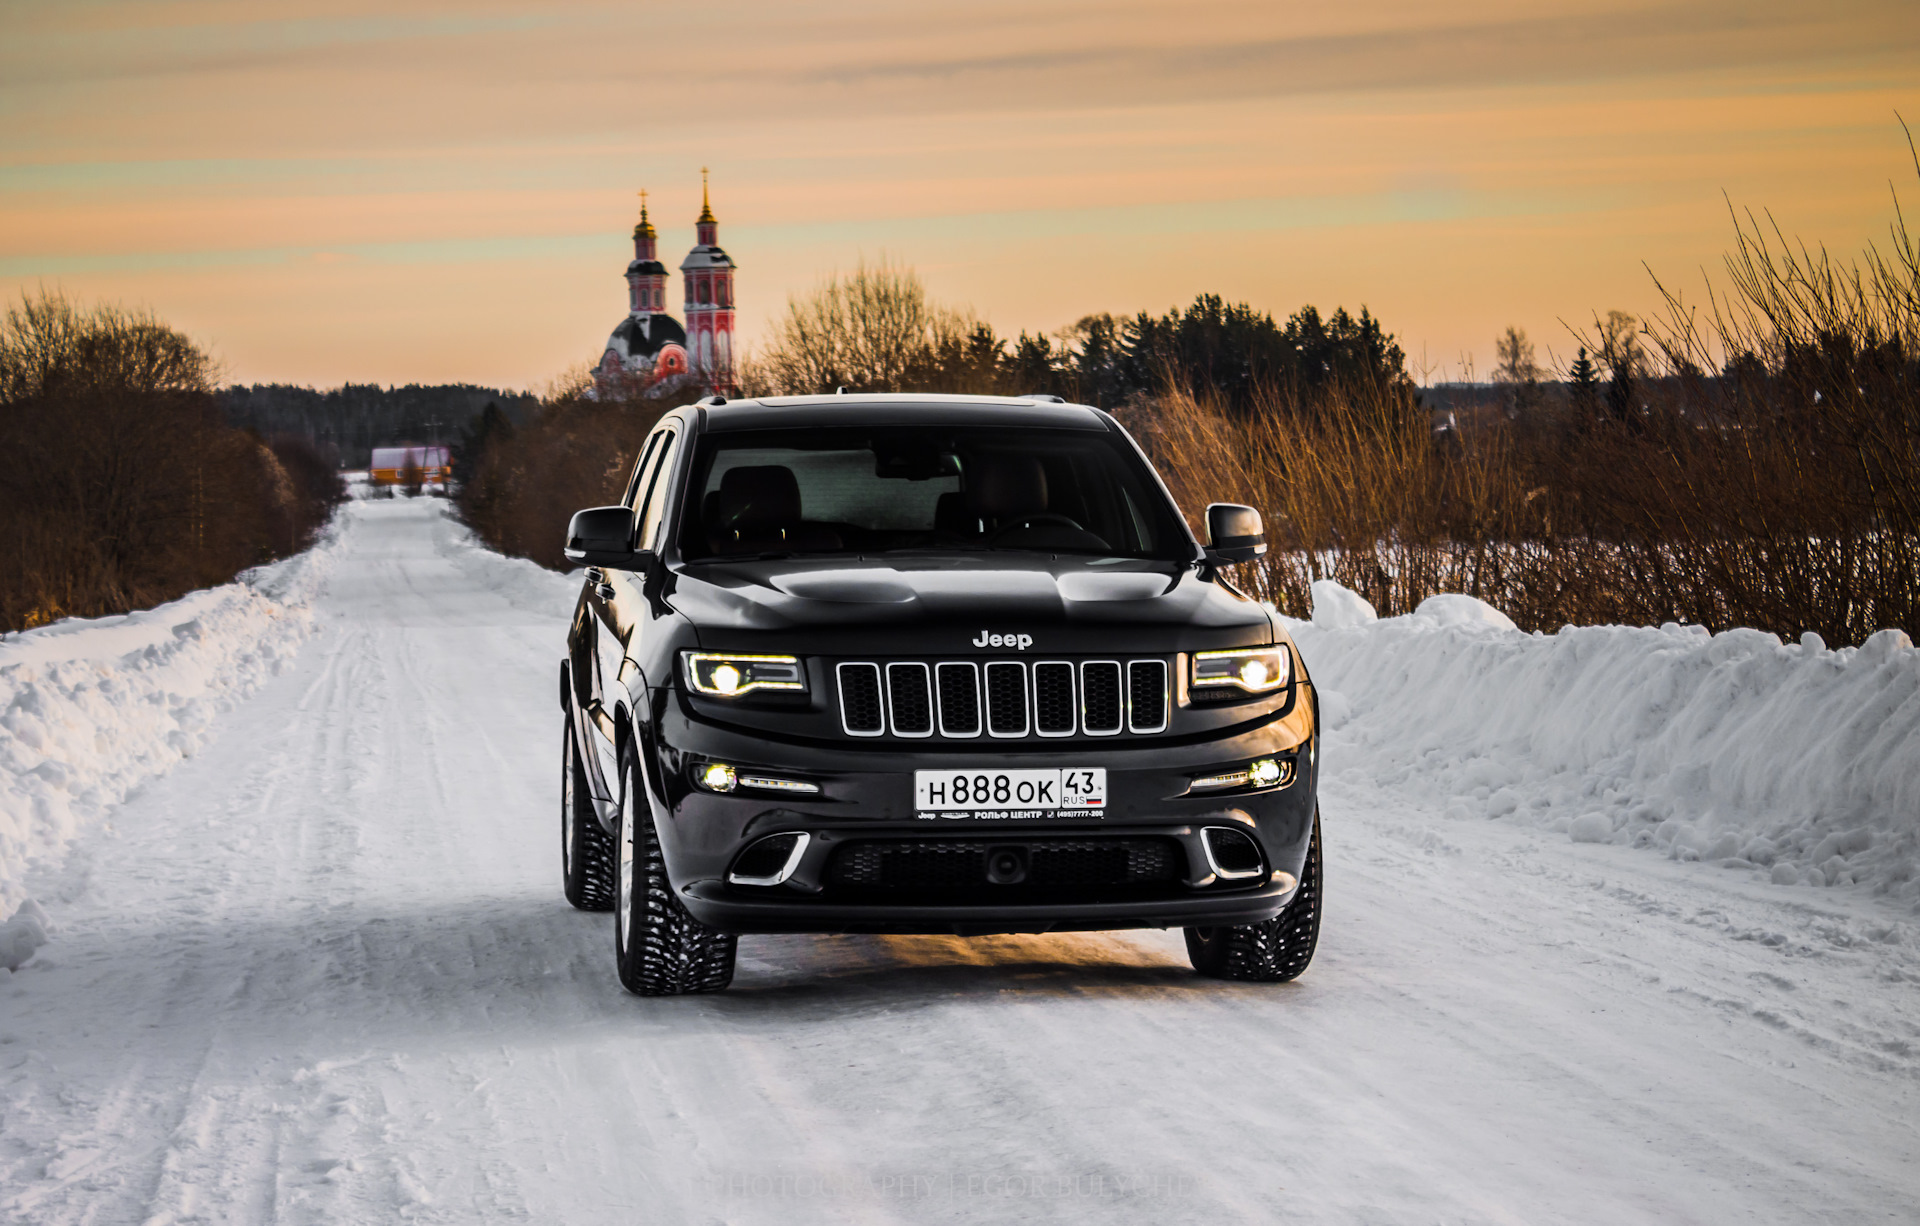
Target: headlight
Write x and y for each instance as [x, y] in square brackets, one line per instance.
[1253, 671]
[722, 675]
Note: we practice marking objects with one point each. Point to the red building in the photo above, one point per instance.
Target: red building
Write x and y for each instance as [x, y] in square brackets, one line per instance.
[649, 345]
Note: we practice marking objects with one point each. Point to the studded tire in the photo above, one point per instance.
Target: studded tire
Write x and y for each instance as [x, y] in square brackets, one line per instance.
[586, 849]
[1273, 951]
[659, 948]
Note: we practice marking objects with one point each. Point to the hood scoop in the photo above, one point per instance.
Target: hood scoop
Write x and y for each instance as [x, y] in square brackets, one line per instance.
[866, 586]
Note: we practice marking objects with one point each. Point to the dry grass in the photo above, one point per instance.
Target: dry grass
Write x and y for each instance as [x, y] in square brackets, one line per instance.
[1755, 462]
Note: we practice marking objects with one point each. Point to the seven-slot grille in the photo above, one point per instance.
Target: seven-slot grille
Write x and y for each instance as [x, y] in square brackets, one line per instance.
[964, 699]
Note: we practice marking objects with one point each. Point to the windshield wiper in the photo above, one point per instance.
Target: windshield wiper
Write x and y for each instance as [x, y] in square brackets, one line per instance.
[763, 556]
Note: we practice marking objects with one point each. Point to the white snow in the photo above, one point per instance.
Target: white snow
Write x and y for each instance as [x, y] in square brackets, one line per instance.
[1795, 763]
[91, 709]
[321, 972]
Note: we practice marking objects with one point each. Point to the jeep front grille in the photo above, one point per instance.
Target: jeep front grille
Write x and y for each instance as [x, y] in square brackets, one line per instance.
[1007, 698]
[861, 712]
[1147, 696]
[1053, 698]
[909, 699]
[959, 685]
[1003, 699]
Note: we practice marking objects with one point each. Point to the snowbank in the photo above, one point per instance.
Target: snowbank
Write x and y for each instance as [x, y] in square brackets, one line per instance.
[522, 583]
[1791, 761]
[91, 709]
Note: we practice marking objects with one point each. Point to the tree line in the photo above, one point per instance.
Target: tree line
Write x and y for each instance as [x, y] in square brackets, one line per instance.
[875, 330]
[348, 422]
[122, 484]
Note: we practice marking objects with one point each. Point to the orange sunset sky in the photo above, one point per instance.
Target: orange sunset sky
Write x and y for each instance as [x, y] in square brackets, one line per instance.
[428, 192]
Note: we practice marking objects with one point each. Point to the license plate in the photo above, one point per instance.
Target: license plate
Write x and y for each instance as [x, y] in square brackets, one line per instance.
[1012, 793]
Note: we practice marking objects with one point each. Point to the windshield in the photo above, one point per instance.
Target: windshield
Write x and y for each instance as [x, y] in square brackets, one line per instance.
[860, 490]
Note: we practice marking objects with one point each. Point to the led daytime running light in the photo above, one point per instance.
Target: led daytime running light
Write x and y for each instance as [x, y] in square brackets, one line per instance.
[767, 783]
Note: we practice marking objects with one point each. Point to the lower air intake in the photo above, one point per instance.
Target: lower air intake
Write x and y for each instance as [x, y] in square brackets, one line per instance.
[960, 868]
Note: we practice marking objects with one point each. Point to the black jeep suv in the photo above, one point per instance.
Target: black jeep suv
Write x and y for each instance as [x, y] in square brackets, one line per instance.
[926, 664]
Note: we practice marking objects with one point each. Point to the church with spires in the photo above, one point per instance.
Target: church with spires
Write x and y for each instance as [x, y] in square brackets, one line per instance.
[650, 346]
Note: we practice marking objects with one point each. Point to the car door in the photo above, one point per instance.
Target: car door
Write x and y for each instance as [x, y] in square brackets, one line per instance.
[603, 626]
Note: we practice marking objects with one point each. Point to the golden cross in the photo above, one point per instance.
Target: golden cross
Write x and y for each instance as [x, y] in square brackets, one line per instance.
[643, 200]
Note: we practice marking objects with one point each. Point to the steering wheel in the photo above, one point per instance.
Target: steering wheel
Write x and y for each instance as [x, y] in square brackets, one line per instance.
[1027, 521]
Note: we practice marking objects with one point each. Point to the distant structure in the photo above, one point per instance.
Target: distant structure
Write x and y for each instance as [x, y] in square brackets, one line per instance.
[390, 465]
[649, 346]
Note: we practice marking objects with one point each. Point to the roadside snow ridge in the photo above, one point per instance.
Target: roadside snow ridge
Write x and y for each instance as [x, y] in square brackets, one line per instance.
[1790, 761]
[91, 709]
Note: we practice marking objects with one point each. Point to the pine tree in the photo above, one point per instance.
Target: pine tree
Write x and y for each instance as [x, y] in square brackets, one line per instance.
[1584, 384]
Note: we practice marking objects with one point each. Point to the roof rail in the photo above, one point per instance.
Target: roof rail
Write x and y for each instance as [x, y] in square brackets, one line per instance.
[714, 401]
[1045, 397]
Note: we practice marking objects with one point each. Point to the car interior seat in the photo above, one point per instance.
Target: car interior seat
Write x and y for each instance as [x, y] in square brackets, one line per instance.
[757, 508]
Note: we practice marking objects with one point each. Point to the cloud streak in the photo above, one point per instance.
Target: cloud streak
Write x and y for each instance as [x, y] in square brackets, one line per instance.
[1463, 167]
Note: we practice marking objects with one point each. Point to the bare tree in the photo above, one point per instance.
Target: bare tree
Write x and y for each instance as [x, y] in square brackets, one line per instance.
[1518, 369]
[863, 331]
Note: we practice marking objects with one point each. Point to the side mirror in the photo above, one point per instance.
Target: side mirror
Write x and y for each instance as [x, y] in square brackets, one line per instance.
[601, 536]
[1234, 533]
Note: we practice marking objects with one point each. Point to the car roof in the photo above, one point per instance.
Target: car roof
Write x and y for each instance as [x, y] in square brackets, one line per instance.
[898, 409]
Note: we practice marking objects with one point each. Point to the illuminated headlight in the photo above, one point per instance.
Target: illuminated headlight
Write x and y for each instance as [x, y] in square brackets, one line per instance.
[717, 777]
[1253, 671]
[720, 675]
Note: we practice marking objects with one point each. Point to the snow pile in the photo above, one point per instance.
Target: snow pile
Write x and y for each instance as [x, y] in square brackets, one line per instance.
[1789, 760]
[522, 583]
[91, 709]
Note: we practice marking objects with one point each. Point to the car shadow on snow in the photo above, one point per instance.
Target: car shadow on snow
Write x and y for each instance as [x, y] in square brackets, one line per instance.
[837, 973]
[481, 969]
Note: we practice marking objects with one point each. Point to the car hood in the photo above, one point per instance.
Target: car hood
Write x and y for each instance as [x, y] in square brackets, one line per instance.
[1064, 603]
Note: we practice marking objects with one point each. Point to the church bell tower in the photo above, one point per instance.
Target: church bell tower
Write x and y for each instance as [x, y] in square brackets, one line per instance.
[646, 276]
[708, 274]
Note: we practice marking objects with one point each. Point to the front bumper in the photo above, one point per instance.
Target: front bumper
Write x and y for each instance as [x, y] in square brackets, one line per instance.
[866, 800]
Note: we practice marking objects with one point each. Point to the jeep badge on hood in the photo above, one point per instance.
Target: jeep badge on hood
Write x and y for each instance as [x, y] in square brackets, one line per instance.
[1019, 642]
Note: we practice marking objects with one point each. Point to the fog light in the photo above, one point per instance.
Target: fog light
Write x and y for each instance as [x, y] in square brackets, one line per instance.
[717, 777]
[1264, 773]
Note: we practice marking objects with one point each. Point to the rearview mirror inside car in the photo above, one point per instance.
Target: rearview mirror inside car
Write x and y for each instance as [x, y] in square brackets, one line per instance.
[601, 536]
[1234, 533]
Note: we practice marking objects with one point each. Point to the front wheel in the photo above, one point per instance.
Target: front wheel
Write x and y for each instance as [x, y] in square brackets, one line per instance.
[586, 849]
[1272, 951]
[658, 947]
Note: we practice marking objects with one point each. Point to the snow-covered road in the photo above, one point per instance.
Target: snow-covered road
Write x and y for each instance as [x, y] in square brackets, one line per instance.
[322, 972]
